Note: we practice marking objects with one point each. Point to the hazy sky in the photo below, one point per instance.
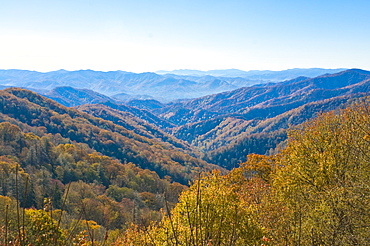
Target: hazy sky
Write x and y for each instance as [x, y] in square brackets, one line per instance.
[140, 36]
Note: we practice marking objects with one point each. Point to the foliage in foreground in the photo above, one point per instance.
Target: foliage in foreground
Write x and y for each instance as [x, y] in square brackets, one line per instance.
[315, 192]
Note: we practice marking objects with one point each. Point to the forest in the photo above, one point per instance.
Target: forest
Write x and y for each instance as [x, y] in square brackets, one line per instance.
[68, 178]
[313, 192]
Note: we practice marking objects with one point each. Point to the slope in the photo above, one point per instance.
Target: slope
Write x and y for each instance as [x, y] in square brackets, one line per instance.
[231, 146]
[135, 124]
[29, 110]
[69, 96]
[267, 100]
[230, 125]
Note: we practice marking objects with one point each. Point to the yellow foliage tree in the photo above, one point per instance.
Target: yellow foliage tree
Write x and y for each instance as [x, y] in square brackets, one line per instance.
[324, 179]
[209, 213]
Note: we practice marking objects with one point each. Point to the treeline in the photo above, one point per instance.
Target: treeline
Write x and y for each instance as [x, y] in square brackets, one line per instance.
[314, 192]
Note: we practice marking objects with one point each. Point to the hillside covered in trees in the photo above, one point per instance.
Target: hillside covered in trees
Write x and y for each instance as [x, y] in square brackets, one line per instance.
[314, 192]
[35, 113]
[226, 127]
[223, 127]
[56, 191]
[111, 173]
[67, 176]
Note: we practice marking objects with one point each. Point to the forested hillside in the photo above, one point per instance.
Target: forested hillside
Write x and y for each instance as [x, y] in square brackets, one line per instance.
[70, 97]
[55, 191]
[71, 191]
[119, 116]
[32, 112]
[266, 101]
[314, 192]
[264, 136]
[68, 177]
[230, 125]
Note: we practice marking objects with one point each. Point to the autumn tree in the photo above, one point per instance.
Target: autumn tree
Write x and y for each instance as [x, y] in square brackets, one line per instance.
[209, 213]
[324, 179]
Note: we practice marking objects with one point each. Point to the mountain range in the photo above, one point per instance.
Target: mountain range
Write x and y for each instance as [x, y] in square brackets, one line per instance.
[126, 86]
[220, 128]
[261, 75]
[108, 162]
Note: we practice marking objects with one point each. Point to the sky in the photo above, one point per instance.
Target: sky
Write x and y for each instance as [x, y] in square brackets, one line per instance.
[147, 36]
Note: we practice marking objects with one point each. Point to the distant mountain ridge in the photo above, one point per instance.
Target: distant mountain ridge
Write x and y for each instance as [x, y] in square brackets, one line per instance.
[247, 100]
[70, 97]
[127, 85]
[262, 75]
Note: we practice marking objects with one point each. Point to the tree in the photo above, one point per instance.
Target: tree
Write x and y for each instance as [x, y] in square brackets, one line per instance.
[324, 179]
[41, 229]
[209, 213]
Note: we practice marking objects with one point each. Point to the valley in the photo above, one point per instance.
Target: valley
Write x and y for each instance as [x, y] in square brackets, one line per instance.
[220, 128]
[121, 162]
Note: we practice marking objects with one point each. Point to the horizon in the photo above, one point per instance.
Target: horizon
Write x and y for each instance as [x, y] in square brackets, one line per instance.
[145, 36]
[175, 70]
